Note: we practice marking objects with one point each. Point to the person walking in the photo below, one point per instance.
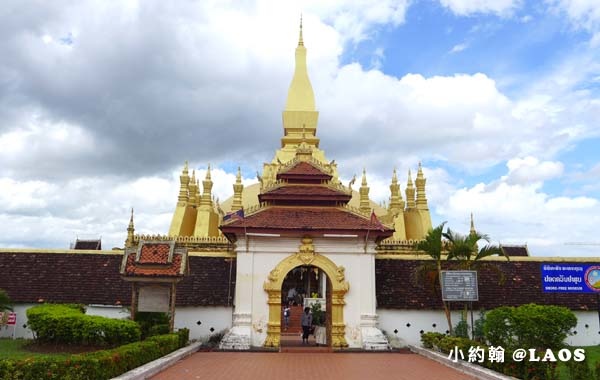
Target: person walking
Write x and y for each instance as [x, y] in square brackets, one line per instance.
[286, 316]
[306, 322]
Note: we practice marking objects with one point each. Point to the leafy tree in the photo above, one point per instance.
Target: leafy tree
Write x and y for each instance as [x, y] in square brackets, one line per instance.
[432, 245]
[5, 303]
[530, 325]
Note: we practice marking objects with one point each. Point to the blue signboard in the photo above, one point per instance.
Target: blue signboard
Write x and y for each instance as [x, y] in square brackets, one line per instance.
[570, 278]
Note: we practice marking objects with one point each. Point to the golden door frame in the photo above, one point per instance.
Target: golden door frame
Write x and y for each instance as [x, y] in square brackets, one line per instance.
[307, 256]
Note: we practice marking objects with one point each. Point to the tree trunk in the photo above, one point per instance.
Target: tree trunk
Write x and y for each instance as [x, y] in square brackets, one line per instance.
[446, 309]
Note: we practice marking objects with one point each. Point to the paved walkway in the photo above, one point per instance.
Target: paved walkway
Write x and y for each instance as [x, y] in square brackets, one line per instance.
[277, 366]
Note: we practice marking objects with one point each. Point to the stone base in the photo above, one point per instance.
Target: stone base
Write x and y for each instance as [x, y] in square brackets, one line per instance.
[372, 337]
[235, 339]
[239, 336]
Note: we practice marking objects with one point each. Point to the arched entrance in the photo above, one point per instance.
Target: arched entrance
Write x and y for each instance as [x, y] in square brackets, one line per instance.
[339, 286]
[306, 286]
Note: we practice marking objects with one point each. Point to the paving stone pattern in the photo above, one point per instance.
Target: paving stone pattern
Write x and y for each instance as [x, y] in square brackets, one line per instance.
[347, 366]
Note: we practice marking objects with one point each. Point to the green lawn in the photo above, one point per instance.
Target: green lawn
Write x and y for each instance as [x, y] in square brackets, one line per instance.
[14, 349]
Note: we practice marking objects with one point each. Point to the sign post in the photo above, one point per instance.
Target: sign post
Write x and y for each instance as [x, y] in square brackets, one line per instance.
[460, 285]
[9, 319]
[572, 278]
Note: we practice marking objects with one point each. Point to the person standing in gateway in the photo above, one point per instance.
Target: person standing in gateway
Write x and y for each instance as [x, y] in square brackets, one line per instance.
[291, 296]
[286, 316]
[306, 324]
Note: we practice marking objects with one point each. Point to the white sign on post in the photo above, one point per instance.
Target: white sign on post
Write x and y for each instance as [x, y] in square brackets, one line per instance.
[459, 285]
[154, 299]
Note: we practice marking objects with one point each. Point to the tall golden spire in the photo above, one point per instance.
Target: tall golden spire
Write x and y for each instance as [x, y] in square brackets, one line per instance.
[396, 201]
[300, 39]
[193, 190]
[207, 185]
[184, 180]
[300, 95]
[130, 231]
[473, 231]
[410, 193]
[238, 189]
[364, 194]
[420, 183]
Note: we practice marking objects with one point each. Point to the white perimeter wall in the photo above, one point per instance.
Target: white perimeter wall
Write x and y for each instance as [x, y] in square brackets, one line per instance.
[201, 319]
[390, 320]
[219, 318]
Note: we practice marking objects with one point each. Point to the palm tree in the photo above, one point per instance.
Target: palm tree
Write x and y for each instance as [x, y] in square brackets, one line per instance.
[432, 245]
[465, 249]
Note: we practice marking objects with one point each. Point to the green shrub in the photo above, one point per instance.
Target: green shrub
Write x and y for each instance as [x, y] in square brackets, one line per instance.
[478, 334]
[461, 329]
[184, 336]
[431, 339]
[539, 326]
[498, 327]
[148, 322]
[69, 325]
[448, 343]
[531, 326]
[99, 365]
[159, 330]
[579, 370]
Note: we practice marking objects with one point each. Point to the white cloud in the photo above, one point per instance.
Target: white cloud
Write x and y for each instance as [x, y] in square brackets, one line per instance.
[45, 214]
[529, 170]
[470, 7]
[584, 14]
[355, 19]
[524, 213]
[458, 48]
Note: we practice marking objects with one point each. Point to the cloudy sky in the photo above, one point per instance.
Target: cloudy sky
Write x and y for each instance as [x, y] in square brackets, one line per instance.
[102, 102]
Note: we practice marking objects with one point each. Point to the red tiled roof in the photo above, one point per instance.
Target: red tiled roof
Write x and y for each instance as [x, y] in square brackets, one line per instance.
[307, 218]
[155, 254]
[304, 193]
[303, 169]
[515, 250]
[161, 270]
[504, 283]
[314, 190]
[88, 244]
[95, 279]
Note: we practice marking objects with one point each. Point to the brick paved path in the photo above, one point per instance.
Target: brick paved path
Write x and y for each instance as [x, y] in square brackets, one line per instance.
[309, 366]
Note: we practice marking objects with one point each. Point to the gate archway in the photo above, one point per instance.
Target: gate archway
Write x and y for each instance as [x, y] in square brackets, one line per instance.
[306, 256]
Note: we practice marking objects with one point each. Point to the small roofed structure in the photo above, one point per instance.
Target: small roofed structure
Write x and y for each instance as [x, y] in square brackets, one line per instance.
[87, 244]
[515, 250]
[154, 268]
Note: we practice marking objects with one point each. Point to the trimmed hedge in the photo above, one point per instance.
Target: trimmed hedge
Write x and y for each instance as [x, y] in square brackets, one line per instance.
[530, 325]
[523, 370]
[69, 325]
[99, 365]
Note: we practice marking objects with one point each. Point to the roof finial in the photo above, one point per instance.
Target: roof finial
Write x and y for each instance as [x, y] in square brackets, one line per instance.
[208, 172]
[131, 218]
[130, 232]
[473, 231]
[300, 40]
